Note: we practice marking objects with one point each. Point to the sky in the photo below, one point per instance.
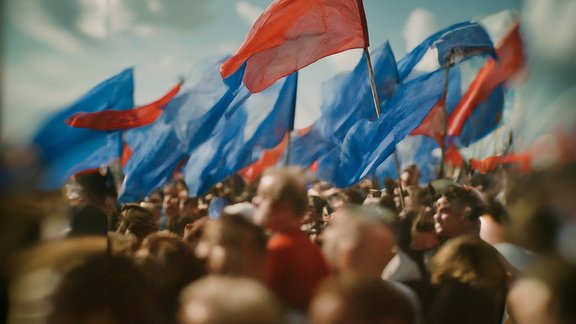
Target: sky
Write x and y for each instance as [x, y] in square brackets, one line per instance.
[54, 51]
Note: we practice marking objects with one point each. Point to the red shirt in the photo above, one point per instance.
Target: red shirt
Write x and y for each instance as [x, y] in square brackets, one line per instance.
[294, 268]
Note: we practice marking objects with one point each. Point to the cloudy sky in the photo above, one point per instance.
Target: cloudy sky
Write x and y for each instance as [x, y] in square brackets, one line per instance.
[54, 51]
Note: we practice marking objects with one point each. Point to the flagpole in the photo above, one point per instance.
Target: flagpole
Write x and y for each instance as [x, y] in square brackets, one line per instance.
[291, 126]
[444, 116]
[378, 110]
[288, 145]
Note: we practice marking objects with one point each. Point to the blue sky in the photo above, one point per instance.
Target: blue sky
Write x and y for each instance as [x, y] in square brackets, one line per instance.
[54, 51]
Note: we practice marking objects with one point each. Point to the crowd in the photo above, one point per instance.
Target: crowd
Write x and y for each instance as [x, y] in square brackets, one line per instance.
[493, 248]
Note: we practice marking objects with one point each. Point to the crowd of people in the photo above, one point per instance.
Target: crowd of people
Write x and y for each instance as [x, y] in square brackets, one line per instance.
[493, 248]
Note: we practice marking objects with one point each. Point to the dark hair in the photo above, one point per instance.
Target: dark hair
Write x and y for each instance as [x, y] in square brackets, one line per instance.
[97, 186]
[468, 197]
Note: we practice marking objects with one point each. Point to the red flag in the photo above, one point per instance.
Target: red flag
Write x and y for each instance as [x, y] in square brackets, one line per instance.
[490, 163]
[431, 126]
[453, 156]
[108, 120]
[510, 62]
[292, 34]
[269, 158]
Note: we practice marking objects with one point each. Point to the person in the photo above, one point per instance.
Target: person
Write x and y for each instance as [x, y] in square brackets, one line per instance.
[229, 300]
[94, 211]
[103, 289]
[136, 220]
[170, 205]
[354, 298]
[471, 281]
[169, 265]
[233, 246]
[546, 294]
[363, 240]
[295, 265]
[458, 212]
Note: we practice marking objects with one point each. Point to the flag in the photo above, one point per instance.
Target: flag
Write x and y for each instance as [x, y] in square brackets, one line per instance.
[252, 124]
[493, 73]
[64, 150]
[274, 156]
[110, 119]
[456, 42]
[188, 120]
[292, 34]
[488, 164]
[368, 144]
[346, 99]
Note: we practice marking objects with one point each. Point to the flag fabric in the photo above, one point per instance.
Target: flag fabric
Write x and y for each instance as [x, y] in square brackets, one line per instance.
[64, 150]
[269, 159]
[252, 124]
[493, 73]
[187, 121]
[292, 34]
[346, 99]
[111, 119]
[456, 42]
[488, 164]
[368, 144]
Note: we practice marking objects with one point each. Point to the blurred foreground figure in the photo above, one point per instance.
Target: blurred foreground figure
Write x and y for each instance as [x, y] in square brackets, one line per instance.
[295, 265]
[359, 299]
[471, 282]
[228, 300]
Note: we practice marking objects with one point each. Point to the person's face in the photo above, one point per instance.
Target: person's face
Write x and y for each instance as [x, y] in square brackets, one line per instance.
[264, 215]
[171, 201]
[450, 219]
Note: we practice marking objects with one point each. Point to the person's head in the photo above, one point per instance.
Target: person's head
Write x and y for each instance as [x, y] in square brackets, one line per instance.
[359, 299]
[189, 207]
[215, 300]
[410, 176]
[422, 233]
[458, 211]
[469, 260]
[314, 211]
[98, 189]
[171, 200]
[360, 240]
[153, 203]
[104, 289]
[136, 220]
[233, 246]
[546, 294]
[471, 282]
[281, 200]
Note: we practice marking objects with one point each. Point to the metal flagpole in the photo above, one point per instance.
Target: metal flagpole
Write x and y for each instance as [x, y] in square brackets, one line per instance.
[377, 108]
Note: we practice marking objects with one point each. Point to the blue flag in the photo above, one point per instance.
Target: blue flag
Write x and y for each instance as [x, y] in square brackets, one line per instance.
[187, 122]
[347, 98]
[253, 123]
[368, 144]
[64, 150]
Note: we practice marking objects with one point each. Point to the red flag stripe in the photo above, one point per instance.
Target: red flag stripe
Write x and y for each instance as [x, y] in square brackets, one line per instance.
[290, 35]
[109, 120]
[493, 73]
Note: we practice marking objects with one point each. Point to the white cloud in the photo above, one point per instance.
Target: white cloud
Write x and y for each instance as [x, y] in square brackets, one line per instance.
[34, 22]
[551, 29]
[345, 61]
[101, 17]
[421, 23]
[155, 6]
[248, 11]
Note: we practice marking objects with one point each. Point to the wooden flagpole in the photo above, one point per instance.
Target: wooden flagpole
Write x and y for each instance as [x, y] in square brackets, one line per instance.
[377, 108]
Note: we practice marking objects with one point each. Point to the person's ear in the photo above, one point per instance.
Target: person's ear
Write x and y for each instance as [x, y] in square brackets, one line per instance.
[466, 212]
